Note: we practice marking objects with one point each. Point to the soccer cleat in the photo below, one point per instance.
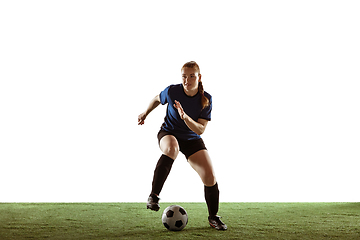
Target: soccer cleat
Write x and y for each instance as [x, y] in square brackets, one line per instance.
[153, 203]
[216, 223]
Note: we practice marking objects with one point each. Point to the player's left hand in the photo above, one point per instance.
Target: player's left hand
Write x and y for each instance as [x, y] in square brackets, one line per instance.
[178, 106]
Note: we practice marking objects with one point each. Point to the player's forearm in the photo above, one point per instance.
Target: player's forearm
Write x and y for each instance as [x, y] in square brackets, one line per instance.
[153, 104]
[196, 127]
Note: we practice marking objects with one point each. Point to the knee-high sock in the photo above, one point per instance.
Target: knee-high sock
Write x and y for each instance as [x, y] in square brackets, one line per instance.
[212, 199]
[161, 172]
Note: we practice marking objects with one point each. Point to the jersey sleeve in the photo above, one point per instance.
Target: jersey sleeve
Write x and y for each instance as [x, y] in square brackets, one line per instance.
[164, 95]
[206, 112]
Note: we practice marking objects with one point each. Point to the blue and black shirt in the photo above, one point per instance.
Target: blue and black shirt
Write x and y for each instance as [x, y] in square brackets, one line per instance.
[192, 107]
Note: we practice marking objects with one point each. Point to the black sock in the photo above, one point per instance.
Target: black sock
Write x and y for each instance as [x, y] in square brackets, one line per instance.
[161, 172]
[212, 199]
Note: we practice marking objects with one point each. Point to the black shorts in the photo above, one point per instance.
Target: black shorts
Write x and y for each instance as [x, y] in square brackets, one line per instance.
[187, 147]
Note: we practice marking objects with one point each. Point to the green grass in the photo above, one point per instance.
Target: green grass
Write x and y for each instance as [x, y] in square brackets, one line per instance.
[134, 221]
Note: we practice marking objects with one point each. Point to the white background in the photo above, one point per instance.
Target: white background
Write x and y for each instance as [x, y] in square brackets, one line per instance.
[284, 76]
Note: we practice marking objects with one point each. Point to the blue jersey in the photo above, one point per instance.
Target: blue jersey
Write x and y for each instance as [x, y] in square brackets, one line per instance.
[192, 107]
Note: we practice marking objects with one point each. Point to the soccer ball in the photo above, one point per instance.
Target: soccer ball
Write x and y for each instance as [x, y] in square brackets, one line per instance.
[174, 218]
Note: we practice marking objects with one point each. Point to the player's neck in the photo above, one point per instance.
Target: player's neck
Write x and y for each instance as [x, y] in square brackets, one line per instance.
[191, 93]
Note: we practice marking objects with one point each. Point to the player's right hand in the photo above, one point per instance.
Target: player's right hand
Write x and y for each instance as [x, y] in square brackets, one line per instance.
[141, 119]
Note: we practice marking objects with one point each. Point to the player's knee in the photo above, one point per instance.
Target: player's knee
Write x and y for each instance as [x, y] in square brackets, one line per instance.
[209, 180]
[171, 151]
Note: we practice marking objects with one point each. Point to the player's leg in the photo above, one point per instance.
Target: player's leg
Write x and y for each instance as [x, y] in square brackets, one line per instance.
[170, 148]
[201, 163]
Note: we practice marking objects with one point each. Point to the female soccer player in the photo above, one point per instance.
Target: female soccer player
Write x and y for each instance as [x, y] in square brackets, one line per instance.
[188, 112]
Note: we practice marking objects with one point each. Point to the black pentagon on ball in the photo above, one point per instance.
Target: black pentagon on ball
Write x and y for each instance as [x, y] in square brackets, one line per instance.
[182, 211]
[178, 223]
[166, 225]
[170, 213]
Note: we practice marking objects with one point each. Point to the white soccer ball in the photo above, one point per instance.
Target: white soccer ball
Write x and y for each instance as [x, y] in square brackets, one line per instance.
[174, 218]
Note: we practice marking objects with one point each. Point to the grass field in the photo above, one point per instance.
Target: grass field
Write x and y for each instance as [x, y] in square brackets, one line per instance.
[134, 221]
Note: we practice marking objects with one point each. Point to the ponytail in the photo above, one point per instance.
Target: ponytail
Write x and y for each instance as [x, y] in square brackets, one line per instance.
[204, 100]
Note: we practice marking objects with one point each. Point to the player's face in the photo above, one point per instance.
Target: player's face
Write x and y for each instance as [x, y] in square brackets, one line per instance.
[190, 80]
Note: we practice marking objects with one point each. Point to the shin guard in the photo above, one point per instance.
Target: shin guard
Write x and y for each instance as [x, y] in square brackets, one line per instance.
[161, 172]
[212, 199]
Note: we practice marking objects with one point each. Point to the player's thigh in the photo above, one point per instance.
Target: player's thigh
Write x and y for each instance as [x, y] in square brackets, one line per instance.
[201, 163]
[169, 146]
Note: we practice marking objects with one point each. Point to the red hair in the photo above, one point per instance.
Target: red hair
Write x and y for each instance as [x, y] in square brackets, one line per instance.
[204, 100]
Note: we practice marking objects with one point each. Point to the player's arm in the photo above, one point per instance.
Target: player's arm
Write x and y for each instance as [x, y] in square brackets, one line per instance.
[152, 105]
[196, 126]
